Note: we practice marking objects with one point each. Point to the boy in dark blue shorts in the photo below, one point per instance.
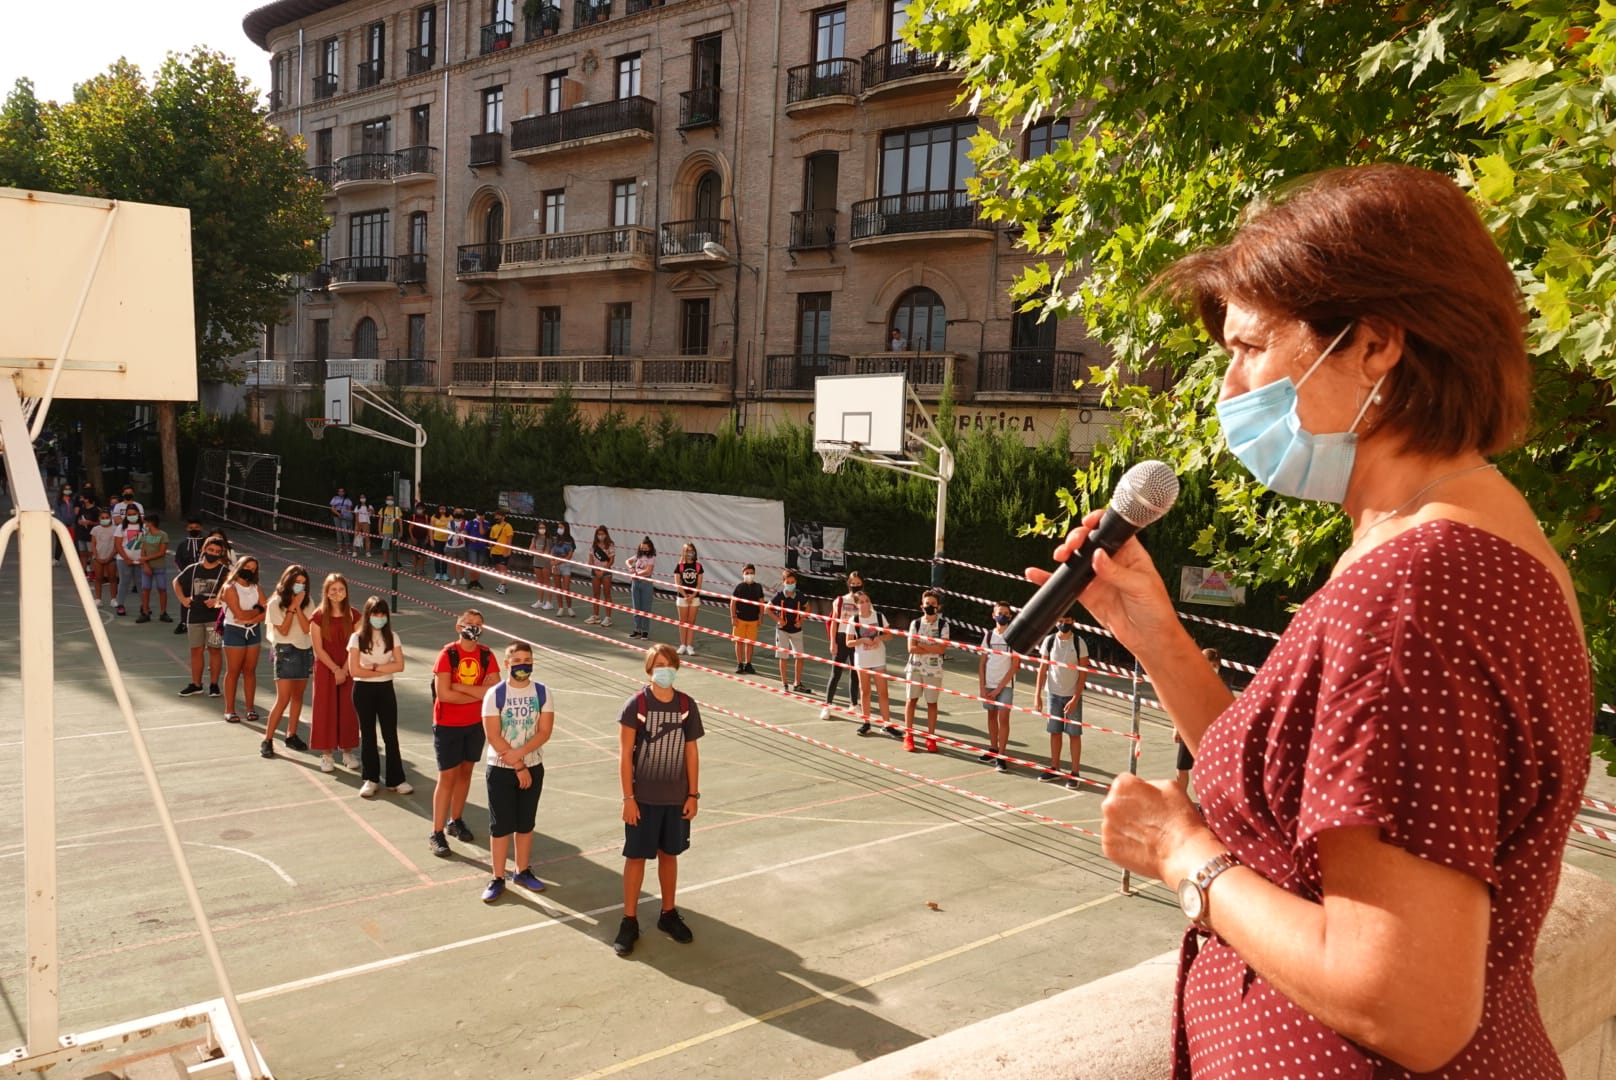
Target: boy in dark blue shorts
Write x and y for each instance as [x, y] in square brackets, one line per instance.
[658, 764]
[461, 678]
[518, 717]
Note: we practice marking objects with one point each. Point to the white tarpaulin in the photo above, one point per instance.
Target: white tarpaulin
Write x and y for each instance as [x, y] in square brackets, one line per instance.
[729, 531]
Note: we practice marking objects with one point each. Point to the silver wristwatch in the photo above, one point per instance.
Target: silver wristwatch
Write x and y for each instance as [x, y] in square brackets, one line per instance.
[1192, 890]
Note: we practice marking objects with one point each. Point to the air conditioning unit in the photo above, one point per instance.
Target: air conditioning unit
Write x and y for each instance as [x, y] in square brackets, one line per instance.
[471, 262]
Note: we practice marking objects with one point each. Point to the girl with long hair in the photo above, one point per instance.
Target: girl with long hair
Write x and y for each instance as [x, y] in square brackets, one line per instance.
[243, 600]
[287, 615]
[602, 554]
[334, 726]
[375, 655]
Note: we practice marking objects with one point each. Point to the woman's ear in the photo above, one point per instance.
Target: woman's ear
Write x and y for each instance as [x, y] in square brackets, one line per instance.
[1378, 344]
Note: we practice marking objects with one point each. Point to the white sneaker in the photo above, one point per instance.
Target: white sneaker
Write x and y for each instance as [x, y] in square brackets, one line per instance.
[402, 789]
[571, 614]
[546, 606]
[537, 604]
[593, 620]
[326, 764]
[824, 714]
[368, 789]
[605, 620]
[500, 588]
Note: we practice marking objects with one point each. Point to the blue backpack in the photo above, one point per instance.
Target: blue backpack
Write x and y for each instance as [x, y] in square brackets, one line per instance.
[499, 696]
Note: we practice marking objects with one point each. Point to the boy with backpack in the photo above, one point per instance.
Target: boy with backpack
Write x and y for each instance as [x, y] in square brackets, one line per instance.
[928, 641]
[658, 765]
[460, 680]
[1061, 653]
[518, 717]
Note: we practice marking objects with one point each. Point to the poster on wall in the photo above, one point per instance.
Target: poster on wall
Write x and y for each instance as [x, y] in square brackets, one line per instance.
[516, 502]
[816, 549]
[1202, 585]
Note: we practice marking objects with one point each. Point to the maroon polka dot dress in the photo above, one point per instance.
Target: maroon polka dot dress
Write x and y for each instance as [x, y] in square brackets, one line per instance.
[1438, 690]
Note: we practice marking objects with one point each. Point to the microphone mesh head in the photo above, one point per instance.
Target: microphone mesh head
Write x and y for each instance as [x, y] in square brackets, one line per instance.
[1145, 493]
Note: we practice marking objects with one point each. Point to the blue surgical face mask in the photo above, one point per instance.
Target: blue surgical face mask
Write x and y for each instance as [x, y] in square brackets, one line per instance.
[378, 621]
[1263, 430]
[788, 588]
[521, 672]
[298, 588]
[663, 676]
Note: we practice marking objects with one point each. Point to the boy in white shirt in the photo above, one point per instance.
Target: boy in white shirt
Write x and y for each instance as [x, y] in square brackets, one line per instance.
[996, 677]
[518, 717]
[928, 641]
[1062, 652]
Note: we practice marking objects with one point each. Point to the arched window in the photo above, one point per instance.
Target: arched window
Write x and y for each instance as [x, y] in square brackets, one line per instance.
[709, 194]
[921, 322]
[365, 344]
[494, 224]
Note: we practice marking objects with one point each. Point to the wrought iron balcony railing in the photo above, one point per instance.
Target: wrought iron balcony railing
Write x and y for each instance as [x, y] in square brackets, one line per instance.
[415, 160]
[359, 167]
[813, 229]
[585, 12]
[420, 59]
[477, 258]
[899, 60]
[827, 78]
[325, 86]
[486, 148]
[496, 36]
[1031, 370]
[917, 212]
[546, 23]
[371, 73]
[687, 237]
[353, 269]
[582, 122]
[698, 107]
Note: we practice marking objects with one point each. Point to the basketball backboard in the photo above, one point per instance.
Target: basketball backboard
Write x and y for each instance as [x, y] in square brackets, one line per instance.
[338, 404]
[864, 409]
[135, 338]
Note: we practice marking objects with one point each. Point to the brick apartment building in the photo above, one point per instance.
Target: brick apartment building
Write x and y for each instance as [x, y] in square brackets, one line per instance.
[701, 205]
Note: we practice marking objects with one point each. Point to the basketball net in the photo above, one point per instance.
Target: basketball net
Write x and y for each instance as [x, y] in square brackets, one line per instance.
[317, 426]
[832, 458]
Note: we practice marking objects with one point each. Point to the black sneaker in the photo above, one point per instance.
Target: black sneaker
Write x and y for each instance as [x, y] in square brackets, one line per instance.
[1001, 765]
[986, 759]
[191, 690]
[182, 629]
[740, 669]
[1050, 778]
[457, 829]
[144, 616]
[295, 743]
[750, 670]
[213, 689]
[266, 749]
[801, 688]
[628, 932]
[864, 728]
[895, 732]
[165, 617]
[1073, 785]
[674, 926]
[438, 845]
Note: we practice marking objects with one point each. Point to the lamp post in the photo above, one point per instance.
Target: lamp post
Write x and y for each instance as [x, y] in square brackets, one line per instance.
[719, 253]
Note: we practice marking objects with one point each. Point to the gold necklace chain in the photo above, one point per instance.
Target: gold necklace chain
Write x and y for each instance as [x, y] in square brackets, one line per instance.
[1412, 499]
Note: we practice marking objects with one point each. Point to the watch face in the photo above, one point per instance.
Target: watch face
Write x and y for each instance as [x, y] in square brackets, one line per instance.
[1191, 901]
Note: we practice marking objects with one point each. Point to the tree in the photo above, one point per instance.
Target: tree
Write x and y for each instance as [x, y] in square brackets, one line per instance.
[197, 138]
[1184, 112]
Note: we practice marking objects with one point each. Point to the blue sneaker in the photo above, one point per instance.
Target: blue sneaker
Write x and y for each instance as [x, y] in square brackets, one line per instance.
[495, 890]
[526, 878]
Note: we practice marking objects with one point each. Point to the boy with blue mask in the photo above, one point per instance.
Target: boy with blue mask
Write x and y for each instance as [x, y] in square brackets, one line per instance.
[518, 718]
[786, 610]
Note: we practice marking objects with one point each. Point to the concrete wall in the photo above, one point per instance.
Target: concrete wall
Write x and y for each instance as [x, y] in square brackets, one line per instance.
[1119, 1027]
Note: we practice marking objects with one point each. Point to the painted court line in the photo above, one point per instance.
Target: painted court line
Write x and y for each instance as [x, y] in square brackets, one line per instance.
[386, 844]
[282, 874]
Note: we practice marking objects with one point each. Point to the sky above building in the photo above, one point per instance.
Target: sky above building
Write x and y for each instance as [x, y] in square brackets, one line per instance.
[59, 47]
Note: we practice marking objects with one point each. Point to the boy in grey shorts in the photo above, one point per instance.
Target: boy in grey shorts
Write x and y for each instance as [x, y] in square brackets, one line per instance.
[1060, 675]
[197, 588]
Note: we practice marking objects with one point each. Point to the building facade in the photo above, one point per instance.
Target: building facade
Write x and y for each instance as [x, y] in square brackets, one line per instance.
[698, 205]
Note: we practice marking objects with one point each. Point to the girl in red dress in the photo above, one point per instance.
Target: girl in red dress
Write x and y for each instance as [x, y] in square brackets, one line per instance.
[335, 726]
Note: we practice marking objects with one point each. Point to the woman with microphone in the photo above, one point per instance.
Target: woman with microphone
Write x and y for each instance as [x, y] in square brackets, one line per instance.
[1387, 803]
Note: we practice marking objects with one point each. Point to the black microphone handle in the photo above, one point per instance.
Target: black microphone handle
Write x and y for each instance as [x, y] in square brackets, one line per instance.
[1057, 595]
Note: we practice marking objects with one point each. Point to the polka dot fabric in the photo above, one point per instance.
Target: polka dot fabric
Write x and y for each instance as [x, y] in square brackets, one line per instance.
[1438, 690]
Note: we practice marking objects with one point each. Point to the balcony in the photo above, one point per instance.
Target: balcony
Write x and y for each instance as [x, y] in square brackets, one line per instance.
[371, 73]
[547, 23]
[698, 108]
[474, 261]
[899, 67]
[1034, 370]
[363, 170]
[486, 149]
[794, 373]
[921, 215]
[277, 100]
[585, 12]
[596, 251]
[634, 7]
[682, 240]
[287, 374]
[596, 378]
[583, 125]
[316, 280]
[325, 86]
[419, 60]
[827, 84]
[411, 269]
[409, 371]
[496, 36]
[414, 164]
[325, 174]
[362, 273]
[813, 229]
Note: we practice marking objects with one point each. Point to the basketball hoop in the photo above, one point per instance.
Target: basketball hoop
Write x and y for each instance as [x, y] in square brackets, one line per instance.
[317, 426]
[832, 456]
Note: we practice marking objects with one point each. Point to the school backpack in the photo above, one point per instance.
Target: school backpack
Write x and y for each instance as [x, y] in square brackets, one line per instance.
[642, 706]
[499, 694]
[485, 656]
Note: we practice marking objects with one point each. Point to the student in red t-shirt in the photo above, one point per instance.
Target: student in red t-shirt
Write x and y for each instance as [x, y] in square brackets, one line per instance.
[461, 676]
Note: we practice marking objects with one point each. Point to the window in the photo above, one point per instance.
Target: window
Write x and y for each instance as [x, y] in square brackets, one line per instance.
[329, 57]
[279, 72]
[494, 225]
[555, 211]
[921, 321]
[709, 196]
[504, 11]
[897, 19]
[1030, 331]
[619, 329]
[322, 341]
[927, 159]
[417, 336]
[375, 137]
[322, 146]
[694, 323]
[426, 29]
[813, 323]
[421, 125]
[553, 83]
[374, 67]
[628, 76]
[418, 233]
[706, 61]
[1042, 136]
[549, 331]
[819, 178]
[830, 34]
[367, 233]
[485, 329]
[626, 202]
[365, 343]
[493, 109]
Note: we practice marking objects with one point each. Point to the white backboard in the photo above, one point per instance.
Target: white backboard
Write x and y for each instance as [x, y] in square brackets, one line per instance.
[866, 409]
[338, 404]
[136, 338]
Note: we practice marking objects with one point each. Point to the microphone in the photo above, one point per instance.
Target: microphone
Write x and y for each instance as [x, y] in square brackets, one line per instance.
[1144, 494]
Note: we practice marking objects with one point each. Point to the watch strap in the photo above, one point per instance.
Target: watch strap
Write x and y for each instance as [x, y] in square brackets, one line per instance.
[1208, 872]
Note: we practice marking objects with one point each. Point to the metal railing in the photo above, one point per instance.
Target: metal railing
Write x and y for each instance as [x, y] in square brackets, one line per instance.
[582, 122]
[316, 280]
[371, 73]
[585, 12]
[496, 35]
[277, 100]
[698, 107]
[687, 237]
[1033, 370]
[827, 78]
[797, 371]
[634, 7]
[415, 161]
[547, 23]
[649, 374]
[487, 148]
[900, 60]
[813, 229]
[419, 59]
[362, 268]
[412, 269]
[410, 371]
[326, 174]
[325, 86]
[477, 258]
[356, 167]
[577, 246]
[261, 373]
[917, 212]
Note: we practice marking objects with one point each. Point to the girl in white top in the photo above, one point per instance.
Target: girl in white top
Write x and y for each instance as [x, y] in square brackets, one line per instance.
[540, 549]
[361, 516]
[375, 655]
[287, 616]
[867, 632]
[454, 547]
[243, 635]
[602, 557]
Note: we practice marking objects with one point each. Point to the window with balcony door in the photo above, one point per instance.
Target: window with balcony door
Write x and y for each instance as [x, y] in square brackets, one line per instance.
[549, 331]
[1042, 136]
[417, 338]
[421, 125]
[928, 159]
[619, 329]
[695, 327]
[555, 211]
[373, 68]
[322, 342]
[921, 321]
[279, 74]
[329, 57]
[366, 344]
[897, 19]
[709, 196]
[423, 54]
[553, 83]
[830, 34]
[816, 225]
[375, 137]
[485, 338]
[700, 105]
[813, 323]
[626, 202]
[628, 76]
[415, 266]
[367, 246]
[322, 146]
[493, 109]
[418, 233]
